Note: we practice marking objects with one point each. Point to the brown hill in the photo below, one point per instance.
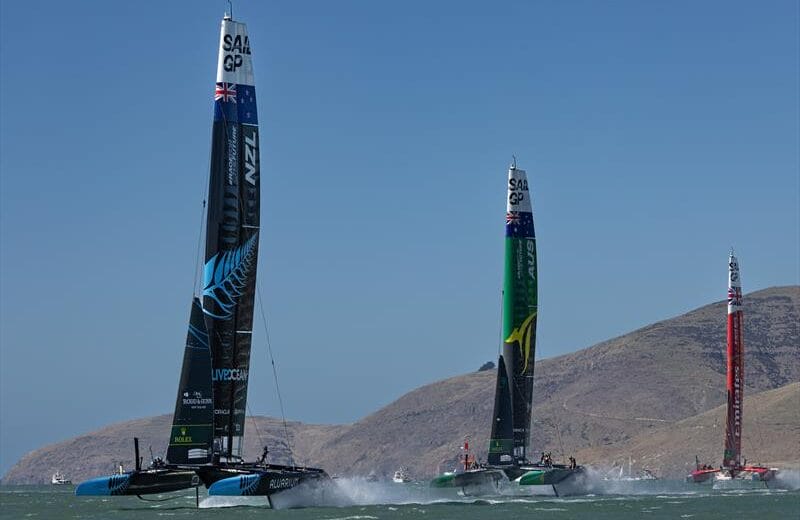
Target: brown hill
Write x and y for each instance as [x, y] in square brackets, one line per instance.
[595, 402]
[99, 452]
[771, 431]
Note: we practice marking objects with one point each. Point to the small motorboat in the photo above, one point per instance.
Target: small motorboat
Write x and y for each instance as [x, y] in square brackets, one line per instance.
[401, 476]
[58, 479]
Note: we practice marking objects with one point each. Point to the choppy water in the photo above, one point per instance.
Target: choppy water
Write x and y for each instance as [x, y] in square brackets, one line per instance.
[386, 500]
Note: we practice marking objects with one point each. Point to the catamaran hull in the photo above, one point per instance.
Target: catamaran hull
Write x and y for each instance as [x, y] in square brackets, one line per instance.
[473, 481]
[144, 482]
[746, 478]
[265, 481]
[546, 476]
[701, 476]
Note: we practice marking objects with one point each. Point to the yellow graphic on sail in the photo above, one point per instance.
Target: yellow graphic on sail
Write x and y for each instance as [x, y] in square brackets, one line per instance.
[522, 335]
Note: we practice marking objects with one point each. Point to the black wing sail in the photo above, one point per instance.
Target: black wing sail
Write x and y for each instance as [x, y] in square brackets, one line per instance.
[191, 436]
[232, 236]
[501, 441]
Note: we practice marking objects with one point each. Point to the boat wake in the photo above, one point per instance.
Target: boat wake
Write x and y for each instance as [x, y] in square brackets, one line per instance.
[594, 481]
[788, 479]
[591, 485]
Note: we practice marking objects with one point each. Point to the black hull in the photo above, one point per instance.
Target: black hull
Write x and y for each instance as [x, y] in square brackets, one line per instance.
[141, 482]
[149, 482]
[259, 480]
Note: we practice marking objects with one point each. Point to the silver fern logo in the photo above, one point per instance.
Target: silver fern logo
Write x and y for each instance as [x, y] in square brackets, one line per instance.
[225, 277]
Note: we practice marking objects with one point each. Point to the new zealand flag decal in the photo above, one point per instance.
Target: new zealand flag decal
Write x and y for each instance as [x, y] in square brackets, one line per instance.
[235, 103]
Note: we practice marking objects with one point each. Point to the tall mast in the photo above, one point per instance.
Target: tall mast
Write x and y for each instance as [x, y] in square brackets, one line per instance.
[735, 376]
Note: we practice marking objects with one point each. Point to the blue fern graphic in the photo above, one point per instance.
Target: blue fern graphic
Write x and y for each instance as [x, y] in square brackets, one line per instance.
[118, 484]
[249, 483]
[225, 276]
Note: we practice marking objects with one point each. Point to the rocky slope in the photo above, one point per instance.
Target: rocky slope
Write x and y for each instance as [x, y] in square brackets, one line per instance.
[635, 395]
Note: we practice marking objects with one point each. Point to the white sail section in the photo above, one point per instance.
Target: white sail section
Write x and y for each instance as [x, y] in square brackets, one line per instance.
[235, 61]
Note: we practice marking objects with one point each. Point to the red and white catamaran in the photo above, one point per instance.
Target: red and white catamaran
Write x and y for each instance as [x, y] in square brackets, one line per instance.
[733, 467]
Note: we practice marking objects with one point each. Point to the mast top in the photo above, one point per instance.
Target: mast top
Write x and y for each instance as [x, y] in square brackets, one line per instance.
[229, 14]
[513, 162]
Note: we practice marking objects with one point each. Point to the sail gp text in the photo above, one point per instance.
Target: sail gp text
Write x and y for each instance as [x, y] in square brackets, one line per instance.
[234, 47]
[516, 187]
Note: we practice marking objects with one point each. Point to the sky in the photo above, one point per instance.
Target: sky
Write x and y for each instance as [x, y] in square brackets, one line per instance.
[656, 136]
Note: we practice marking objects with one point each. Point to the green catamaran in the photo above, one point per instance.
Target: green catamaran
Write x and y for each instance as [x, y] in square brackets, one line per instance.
[509, 442]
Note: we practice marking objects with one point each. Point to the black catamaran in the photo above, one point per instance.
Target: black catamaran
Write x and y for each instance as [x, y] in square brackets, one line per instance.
[509, 442]
[207, 437]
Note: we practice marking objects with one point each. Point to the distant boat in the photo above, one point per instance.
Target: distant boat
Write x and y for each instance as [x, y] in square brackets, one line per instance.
[207, 436]
[401, 476]
[58, 479]
[644, 474]
[733, 467]
[513, 400]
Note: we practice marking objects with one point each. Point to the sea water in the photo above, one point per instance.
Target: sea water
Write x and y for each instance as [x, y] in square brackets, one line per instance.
[362, 500]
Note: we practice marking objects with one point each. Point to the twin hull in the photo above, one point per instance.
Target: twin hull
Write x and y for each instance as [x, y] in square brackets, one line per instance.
[490, 479]
[142, 482]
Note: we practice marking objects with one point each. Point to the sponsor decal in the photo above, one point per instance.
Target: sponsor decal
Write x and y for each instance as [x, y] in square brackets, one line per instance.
[229, 374]
[250, 155]
[737, 401]
[195, 399]
[183, 438]
[523, 335]
[531, 248]
[283, 483]
[233, 155]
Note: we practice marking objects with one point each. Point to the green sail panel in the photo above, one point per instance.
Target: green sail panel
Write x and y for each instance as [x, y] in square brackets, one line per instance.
[520, 302]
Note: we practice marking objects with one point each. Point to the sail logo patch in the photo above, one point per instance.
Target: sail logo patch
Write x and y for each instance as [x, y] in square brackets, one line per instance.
[251, 156]
[516, 187]
[234, 47]
[183, 438]
[524, 336]
[225, 277]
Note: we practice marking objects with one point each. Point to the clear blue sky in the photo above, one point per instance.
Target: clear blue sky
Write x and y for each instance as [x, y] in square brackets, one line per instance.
[656, 135]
